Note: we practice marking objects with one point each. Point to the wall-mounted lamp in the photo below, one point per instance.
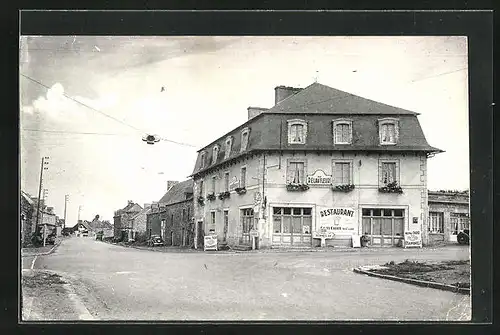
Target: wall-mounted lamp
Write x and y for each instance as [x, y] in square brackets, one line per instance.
[359, 162]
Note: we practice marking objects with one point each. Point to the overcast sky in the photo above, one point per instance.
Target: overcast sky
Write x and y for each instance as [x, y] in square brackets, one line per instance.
[209, 83]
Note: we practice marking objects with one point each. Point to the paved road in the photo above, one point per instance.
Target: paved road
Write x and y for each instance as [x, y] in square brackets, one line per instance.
[118, 283]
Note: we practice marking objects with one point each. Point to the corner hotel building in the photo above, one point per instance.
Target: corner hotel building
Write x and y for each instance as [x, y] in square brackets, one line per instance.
[318, 154]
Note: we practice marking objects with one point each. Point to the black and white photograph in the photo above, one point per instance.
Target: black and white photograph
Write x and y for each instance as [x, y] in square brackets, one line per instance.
[244, 178]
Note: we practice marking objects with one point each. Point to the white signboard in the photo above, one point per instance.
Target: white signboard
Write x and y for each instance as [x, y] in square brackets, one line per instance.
[356, 241]
[210, 242]
[339, 220]
[323, 234]
[319, 178]
[413, 239]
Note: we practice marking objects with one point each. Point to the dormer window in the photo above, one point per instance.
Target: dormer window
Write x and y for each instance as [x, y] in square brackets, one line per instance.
[203, 156]
[388, 131]
[342, 131]
[215, 154]
[297, 131]
[227, 149]
[245, 132]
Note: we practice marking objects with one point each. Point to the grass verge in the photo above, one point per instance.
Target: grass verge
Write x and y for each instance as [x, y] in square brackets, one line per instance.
[454, 273]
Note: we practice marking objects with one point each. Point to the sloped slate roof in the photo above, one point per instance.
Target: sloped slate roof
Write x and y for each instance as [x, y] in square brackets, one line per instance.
[320, 99]
[144, 211]
[319, 105]
[177, 193]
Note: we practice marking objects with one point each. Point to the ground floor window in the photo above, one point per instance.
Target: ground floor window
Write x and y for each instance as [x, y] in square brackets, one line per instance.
[436, 224]
[458, 222]
[292, 225]
[385, 226]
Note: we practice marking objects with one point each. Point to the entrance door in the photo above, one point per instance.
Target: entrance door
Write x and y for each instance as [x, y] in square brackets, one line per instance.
[384, 227]
[199, 234]
[292, 226]
[247, 220]
[226, 225]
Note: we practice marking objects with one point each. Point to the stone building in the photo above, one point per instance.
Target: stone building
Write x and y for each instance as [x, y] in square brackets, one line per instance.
[448, 215]
[123, 221]
[27, 222]
[320, 160]
[171, 216]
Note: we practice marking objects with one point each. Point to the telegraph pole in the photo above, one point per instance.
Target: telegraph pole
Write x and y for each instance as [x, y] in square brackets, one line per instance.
[42, 168]
[66, 198]
[45, 191]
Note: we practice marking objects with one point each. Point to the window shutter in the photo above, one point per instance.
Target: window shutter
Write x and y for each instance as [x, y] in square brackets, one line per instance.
[300, 168]
[346, 176]
[289, 173]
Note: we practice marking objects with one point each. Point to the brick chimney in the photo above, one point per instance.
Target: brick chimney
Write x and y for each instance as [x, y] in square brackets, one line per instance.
[283, 92]
[254, 111]
[171, 183]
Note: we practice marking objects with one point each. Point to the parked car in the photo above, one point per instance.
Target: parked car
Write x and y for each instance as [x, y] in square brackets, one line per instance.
[155, 240]
[51, 239]
[463, 237]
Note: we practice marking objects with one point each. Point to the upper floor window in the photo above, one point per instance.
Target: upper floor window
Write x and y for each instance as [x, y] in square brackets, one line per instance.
[297, 131]
[342, 172]
[215, 154]
[201, 187]
[213, 183]
[226, 182]
[389, 172]
[342, 131]
[245, 133]
[203, 156]
[296, 172]
[228, 146]
[243, 177]
[388, 131]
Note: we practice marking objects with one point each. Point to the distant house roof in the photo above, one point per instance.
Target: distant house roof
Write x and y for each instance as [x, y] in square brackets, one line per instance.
[177, 193]
[448, 197]
[27, 197]
[129, 208]
[322, 105]
[144, 211]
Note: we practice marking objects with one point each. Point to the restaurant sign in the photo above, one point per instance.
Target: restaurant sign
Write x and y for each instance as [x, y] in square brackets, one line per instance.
[339, 220]
[319, 178]
[413, 239]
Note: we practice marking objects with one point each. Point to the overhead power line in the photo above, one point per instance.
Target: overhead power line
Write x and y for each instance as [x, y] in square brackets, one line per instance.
[100, 112]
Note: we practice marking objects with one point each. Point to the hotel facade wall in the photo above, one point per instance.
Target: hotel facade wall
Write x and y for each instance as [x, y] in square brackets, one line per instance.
[233, 204]
[365, 176]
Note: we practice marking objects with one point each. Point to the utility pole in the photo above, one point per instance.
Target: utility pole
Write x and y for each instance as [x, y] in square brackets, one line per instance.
[42, 168]
[45, 192]
[79, 211]
[66, 198]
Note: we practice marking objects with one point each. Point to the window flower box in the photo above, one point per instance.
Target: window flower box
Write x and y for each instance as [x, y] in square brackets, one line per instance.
[240, 190]
[201, 200]
[297, 187]
[391, 188]
[224, 195]
[211, 196]
[343, 188]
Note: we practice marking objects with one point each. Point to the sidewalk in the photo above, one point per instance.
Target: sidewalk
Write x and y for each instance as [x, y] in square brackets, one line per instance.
[48, 296]
[278, 250]
[38, 251]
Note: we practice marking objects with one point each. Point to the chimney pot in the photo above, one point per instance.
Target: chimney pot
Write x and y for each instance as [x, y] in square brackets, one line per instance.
[283, 92]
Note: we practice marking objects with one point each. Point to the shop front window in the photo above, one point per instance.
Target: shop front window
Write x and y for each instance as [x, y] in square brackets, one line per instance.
[384, 225]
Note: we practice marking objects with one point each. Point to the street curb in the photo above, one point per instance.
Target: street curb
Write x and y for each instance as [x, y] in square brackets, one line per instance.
[80, 308]
[56, 244]
[416, 282]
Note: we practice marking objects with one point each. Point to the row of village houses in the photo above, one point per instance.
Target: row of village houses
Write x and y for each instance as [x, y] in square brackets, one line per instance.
[319, 157]
[47, 219]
